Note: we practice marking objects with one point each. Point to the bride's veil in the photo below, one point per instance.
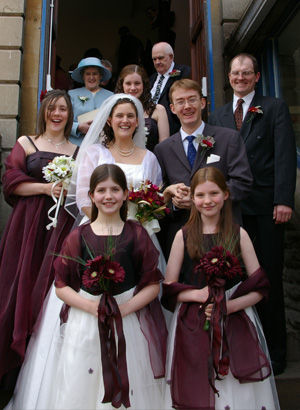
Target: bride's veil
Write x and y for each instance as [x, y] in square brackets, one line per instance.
[94, 136]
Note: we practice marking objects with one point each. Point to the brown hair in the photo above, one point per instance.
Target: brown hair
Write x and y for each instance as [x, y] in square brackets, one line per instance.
[102, 173]
[227, 234]
[186, 84]
[109, 135]
[49, 100]
[145, 98]
[241, 57]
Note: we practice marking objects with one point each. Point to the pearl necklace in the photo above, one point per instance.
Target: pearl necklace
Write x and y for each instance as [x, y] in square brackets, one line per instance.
[124, 153]
[53, 143]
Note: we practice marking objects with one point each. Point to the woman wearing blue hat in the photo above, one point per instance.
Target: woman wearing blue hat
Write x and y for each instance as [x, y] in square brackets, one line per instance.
[90, 72]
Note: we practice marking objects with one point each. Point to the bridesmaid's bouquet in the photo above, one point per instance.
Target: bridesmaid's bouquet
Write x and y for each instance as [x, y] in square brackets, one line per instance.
[149, 203]
[60, 169]
[102, 269]
[218, 265]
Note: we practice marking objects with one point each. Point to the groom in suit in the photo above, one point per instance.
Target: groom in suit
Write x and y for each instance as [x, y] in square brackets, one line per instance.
[167, 72]
[266, 128]
[181, 155]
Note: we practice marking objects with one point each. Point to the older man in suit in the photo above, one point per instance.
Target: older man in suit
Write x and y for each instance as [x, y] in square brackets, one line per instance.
[181, 155]
[167, 72]
[266, 128]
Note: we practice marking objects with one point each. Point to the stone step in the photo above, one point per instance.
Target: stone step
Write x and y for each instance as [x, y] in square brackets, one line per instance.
[288, 387]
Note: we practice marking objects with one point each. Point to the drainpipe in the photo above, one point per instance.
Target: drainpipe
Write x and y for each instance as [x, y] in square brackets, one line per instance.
[48, 82]
[43, 49]
[210, 56]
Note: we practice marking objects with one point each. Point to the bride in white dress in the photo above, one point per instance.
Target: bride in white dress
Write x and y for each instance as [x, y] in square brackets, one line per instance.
[118, 145]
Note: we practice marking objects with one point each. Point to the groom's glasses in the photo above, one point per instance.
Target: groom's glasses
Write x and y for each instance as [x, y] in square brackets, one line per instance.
[190, 101]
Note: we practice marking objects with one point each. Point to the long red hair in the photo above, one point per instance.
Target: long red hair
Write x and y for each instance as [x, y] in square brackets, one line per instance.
[227, 234]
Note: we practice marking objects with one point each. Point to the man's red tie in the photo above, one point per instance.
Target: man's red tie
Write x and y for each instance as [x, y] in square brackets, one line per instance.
[238, 114]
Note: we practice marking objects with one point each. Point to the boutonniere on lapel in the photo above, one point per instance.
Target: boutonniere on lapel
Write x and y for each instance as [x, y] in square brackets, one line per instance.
[254, 111]
[205, 142]
[174, 73]
[83, 99]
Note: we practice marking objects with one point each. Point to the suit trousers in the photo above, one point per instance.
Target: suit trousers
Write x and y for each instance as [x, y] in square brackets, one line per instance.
[268, 241]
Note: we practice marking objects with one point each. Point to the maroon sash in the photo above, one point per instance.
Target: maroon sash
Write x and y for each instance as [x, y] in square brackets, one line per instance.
[114, 365]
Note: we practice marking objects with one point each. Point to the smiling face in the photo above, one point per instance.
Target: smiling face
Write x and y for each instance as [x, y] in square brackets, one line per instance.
[161, 60]
[56, 115]
[188, 113]
[123, 121]
[133, 85]
[243, 84]
[209, 199]
[91, 77]
[108, 197]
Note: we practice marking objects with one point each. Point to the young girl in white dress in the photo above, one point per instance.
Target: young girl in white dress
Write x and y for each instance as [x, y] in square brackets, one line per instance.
[226, 366]
[110, 352]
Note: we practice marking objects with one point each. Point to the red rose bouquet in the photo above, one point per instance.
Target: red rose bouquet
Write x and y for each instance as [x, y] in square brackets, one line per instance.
[149, 203]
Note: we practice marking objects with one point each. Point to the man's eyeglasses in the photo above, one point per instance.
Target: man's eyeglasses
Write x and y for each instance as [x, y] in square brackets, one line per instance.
[190, 101]
[243, 73]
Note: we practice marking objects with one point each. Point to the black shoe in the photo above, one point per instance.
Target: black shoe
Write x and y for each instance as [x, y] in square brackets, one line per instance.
[278, 367]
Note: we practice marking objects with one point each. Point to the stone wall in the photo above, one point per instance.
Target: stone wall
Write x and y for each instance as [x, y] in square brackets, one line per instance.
[11, 46]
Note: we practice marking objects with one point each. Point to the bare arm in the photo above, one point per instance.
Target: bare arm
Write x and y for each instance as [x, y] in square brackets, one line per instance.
[160, 116]
[88, 211]
[140, 300]
[173, 271]
[73, 299]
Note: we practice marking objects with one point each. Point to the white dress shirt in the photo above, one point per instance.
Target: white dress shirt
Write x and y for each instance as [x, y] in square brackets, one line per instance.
[184, 136]
[247, 101]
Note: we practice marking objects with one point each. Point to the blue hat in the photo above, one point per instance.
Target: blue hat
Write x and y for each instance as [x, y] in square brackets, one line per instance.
[90, 62]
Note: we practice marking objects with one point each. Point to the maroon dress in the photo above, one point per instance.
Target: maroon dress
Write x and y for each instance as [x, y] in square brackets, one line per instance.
[136, 253]
[24, 244]
[194, 349]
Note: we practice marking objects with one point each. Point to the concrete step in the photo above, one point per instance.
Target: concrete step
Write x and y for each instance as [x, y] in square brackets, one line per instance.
[288, 387]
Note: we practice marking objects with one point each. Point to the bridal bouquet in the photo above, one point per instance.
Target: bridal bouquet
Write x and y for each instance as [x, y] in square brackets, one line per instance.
[149, 202]
[146, 204]
[60, 169]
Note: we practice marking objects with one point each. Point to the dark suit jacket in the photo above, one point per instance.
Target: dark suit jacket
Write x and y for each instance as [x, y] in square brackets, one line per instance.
[185, 72]
[270, 145]
[232, 162]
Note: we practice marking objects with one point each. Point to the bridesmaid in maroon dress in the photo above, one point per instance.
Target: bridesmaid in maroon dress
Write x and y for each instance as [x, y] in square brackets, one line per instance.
[26, 241]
